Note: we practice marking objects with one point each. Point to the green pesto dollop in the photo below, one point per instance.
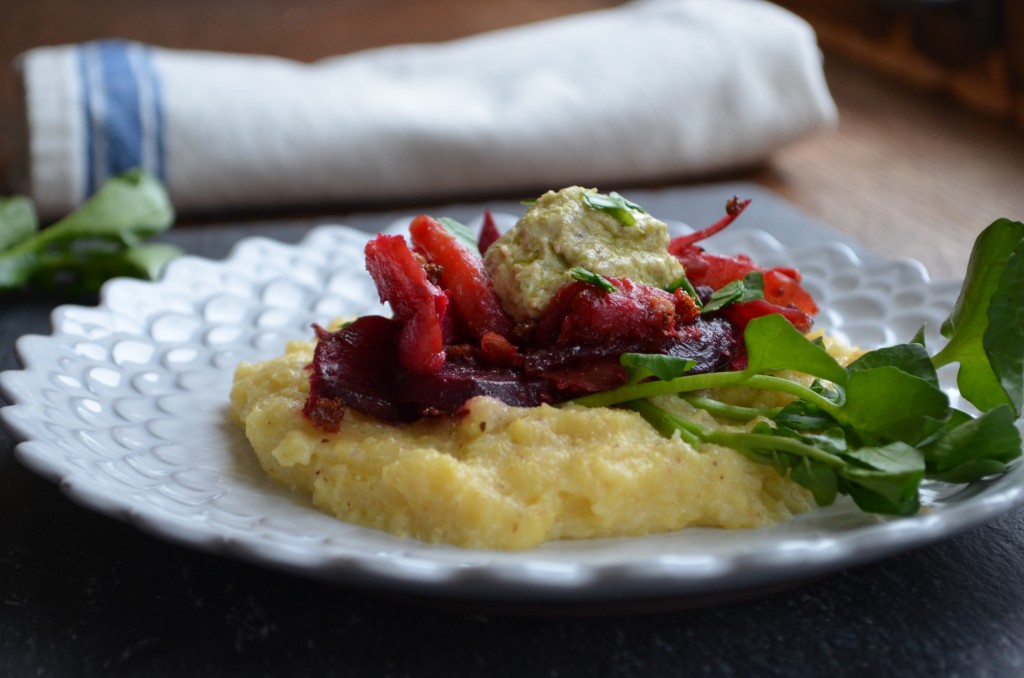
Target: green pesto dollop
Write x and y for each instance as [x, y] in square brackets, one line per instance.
[563, 230]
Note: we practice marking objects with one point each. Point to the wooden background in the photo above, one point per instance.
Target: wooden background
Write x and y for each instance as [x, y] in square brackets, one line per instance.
[909, 171]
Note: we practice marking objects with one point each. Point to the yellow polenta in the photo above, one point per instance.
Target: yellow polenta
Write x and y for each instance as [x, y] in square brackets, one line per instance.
[503, 477]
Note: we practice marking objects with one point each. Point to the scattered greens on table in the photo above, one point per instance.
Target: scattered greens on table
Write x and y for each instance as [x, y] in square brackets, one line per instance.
[876, 428]
[103, 238]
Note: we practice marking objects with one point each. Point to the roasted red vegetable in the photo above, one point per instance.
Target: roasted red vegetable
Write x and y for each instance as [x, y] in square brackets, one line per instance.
[416, 302]
[488, 233]
[463, 276]
[581, 313]
[430, 359]
[448, 389]
[741, 313]
[354, 367]
[781, 285]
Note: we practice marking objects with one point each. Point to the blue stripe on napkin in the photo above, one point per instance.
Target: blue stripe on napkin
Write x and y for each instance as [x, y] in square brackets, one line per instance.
[121, 100]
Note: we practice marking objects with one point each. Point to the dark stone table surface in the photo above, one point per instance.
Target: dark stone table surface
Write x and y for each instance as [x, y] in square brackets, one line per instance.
[84, 595]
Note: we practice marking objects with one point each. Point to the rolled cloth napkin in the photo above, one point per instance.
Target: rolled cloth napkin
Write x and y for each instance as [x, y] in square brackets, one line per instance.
[654, 89]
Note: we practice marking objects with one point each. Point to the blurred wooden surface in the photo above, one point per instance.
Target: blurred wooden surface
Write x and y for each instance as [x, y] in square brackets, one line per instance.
[906, 172]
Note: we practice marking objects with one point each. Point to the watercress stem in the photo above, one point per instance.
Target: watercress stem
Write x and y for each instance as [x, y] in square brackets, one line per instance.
[667, 423]
[728, 411]
[743, 441]
[697, 382]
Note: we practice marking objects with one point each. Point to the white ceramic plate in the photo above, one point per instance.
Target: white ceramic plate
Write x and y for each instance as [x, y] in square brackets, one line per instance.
[124, 405]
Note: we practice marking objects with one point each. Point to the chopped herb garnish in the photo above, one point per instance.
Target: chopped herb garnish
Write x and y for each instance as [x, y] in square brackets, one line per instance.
[591, 278]
[665, 367]
[750, 287]
[615, 205]
[683, 283]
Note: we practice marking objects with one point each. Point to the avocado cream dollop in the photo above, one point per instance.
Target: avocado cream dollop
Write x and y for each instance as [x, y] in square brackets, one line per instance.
[577, 227]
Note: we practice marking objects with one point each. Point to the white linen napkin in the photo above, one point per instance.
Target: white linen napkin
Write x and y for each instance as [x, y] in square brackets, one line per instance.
[651, 90]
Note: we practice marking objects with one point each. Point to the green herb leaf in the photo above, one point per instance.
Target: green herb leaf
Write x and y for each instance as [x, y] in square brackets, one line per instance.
[664, 367]
[774, 344]
[683, 283]
[591, 278]
[986, 327]
[95, 241]
[888, 482]
[18, 221]
[910, 358]
[461, 233]
[970, 448]
[149, 259]
[615, 205]
[818, 478]
[750, 287]
[885, 403]
[128, 207]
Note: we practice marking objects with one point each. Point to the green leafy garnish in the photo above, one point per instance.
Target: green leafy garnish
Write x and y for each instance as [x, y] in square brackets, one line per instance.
[986, 328]
[461, 233]
[748, 288]
[18, 221]
[101, 239]
[872, 430]
[591, 278]
[664, 367]
[614, 204]
[683, 283]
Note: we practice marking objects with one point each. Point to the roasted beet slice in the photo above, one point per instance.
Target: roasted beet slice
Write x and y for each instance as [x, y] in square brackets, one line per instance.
[463, 275]
[541, 360]
[602, 374]
[355, 367]
[712, 343]
[448, 389]
[417, 303]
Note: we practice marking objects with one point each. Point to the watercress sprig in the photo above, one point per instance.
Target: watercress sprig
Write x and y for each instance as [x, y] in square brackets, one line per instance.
[105, 237]
[876, 428]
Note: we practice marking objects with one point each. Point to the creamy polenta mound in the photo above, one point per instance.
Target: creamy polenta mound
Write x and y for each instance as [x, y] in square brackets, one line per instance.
[505, 477]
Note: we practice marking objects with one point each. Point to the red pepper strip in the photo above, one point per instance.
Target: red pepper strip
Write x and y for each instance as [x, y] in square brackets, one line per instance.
[463, 275]
[488, 233]
[781, 285]
[733, 209]
[416, 302]
[743, 312]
